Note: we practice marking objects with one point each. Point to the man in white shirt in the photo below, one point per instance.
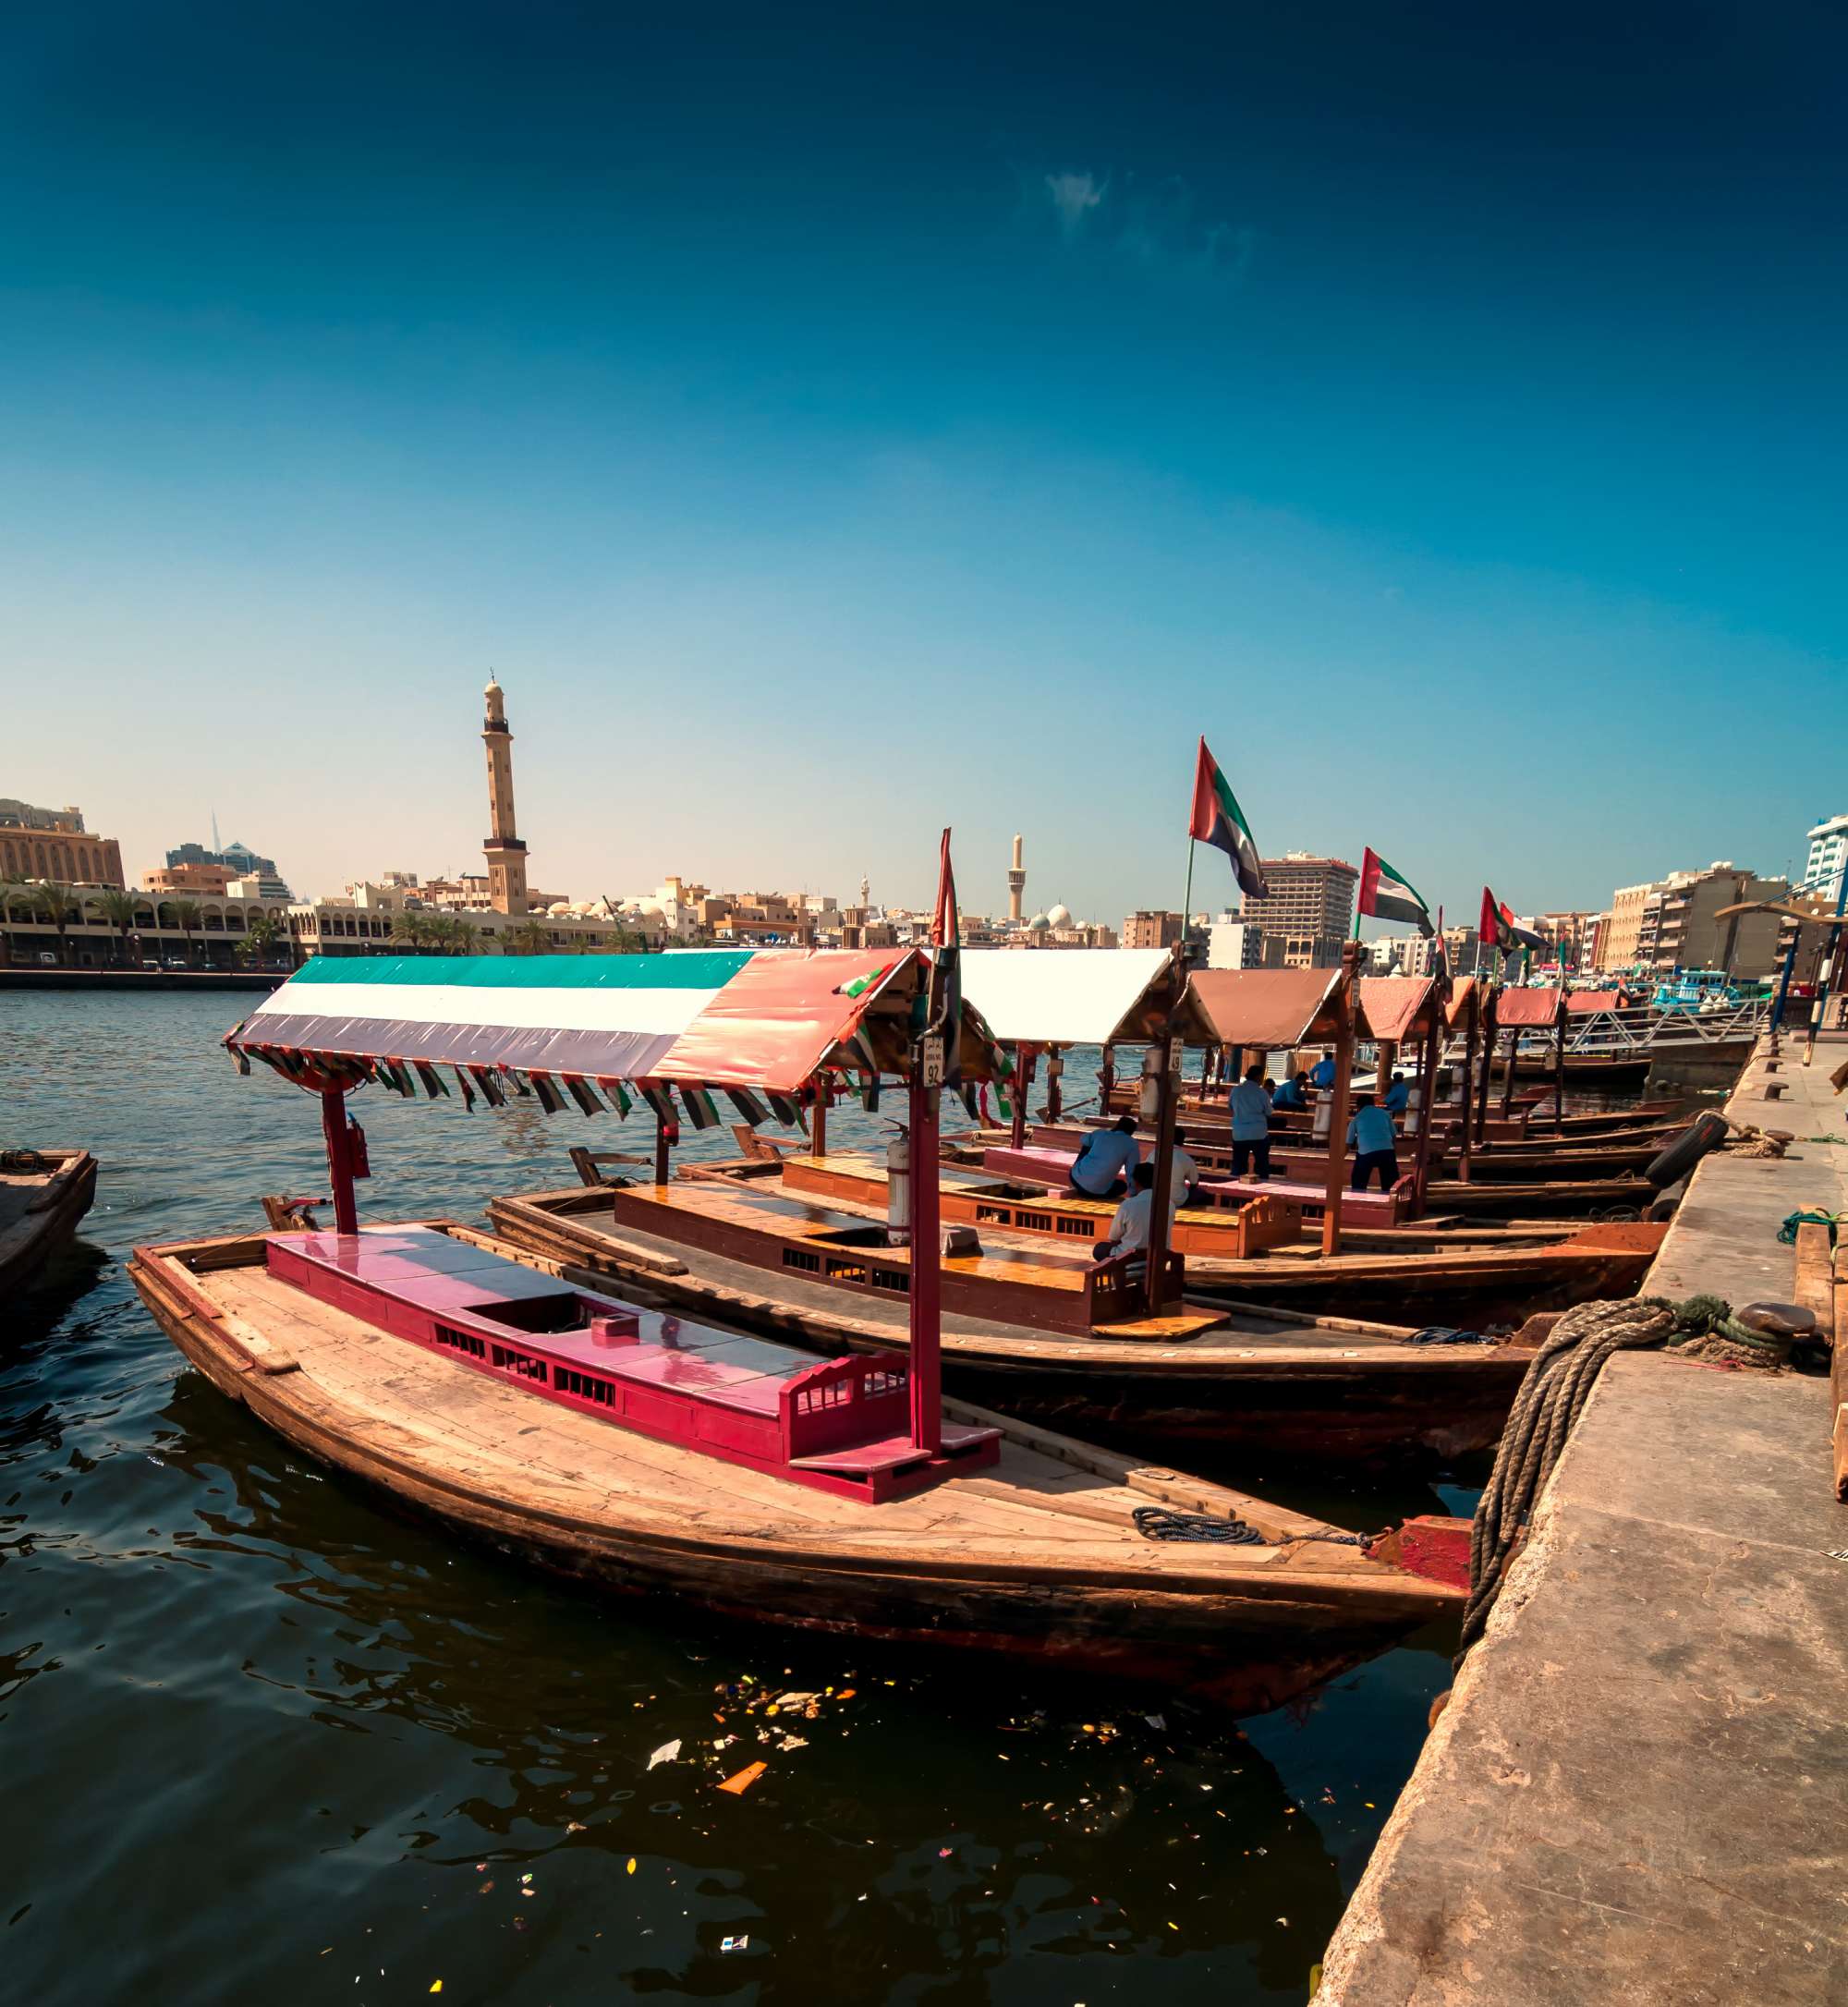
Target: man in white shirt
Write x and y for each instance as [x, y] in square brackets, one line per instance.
[1185, 1179]
[1129, 1227]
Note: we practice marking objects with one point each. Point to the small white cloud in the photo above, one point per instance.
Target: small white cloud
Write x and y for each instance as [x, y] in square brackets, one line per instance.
[1072, 198]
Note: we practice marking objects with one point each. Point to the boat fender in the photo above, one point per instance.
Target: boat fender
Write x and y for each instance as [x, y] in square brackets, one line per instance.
[1705, 1132]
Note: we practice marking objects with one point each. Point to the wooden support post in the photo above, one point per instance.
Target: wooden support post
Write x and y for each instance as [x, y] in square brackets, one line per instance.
[927, 1279]
[1559, 1072]
[1164, 1139]
[1023, 1082]
[339, 1159]
[1385, 1056]
[1343, 1074]
[1428, 1114]
[1056, 1066]
[1508, 1070]
[818, 1118]
[1106, 1078]
[1472, 1011]
[665, 1135]
[1487, 1010]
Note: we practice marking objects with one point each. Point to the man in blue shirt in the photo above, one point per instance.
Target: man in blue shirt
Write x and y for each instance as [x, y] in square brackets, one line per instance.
[1323, 1077]
[1291, 1094]
[1397, 1095]
[1251, 1107]
[1370, 1136]
[1101, 1168]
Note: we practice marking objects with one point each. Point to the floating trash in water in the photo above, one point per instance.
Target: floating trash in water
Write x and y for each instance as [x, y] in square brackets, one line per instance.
[666, 1754]
[733, 1944]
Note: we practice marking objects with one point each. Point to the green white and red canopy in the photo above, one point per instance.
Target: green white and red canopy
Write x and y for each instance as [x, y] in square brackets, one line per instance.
[580, 1023]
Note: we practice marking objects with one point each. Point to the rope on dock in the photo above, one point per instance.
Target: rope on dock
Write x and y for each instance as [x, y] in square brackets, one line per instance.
[1158, 1522]
[1552, 1398]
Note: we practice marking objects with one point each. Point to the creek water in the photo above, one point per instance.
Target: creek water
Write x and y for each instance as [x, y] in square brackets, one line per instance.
[265, 1737]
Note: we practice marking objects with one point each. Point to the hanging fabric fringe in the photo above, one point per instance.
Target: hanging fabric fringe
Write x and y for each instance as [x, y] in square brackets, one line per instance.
[549, 1099]
[784, 1109]
[463, 1082]
[616, 1095]
[747, 1105]
[582, 1094]
[701, 1112]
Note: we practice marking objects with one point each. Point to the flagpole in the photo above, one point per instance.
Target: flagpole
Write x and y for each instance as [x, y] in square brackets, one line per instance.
[1188, 897]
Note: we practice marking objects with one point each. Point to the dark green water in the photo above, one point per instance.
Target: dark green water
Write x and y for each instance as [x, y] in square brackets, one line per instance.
[264, 1738]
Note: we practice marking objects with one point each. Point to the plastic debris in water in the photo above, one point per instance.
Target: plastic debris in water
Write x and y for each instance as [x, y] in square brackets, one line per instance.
[666, 1754]
[631, 1867]
[733, 1944]
[744, 1779]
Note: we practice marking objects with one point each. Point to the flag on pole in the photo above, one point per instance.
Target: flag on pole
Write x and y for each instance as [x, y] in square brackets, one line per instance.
[1388, 895]
[946, 995]
[1498, 929]
[1219, 821]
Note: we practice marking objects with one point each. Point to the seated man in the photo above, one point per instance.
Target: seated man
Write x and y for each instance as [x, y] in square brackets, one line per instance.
[1370, 1136]
[1398, 1095]
[1102, 1166]
[1293, 1094]
[1323, 1075]
[1129, 1227]
[1250, 1108]
[1184, 1178]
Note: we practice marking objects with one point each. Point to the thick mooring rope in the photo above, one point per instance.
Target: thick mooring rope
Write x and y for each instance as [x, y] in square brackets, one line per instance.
[1551, 1397]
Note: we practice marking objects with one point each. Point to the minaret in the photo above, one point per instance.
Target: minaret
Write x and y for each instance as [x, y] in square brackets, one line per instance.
[505, 851]
[1017, 884]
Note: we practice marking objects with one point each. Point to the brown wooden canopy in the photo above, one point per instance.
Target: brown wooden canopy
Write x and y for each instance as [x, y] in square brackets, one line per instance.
[1528, 1009]
[1458, 1009]
[1395, 1009]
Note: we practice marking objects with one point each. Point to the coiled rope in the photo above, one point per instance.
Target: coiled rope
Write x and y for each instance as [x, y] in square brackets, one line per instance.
[1553, 1396]
[1158, 1522]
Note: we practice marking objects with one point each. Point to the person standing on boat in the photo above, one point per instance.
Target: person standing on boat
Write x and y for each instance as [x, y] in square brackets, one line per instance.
[1101, 1168]
[1292, 1093]
[1371, 1138]
[1251, 1107]
[1398, 1095]
[1323, 1077]
[1185, 1179]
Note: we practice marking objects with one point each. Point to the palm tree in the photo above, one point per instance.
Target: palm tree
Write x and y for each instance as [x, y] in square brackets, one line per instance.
[530, 937]
[189, 917]
[262, 937]
[119, 908]
[415, 930]
[55, 902]
[458, 936]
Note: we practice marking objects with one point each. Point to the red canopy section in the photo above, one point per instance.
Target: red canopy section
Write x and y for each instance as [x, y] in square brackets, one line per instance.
[1269, 1008]
[1395, 1009]
[1595, 1000]
[1458, 1009]
[1529, 1009]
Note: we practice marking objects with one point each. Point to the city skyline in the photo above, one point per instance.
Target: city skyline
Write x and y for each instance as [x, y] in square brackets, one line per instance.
[832, 437]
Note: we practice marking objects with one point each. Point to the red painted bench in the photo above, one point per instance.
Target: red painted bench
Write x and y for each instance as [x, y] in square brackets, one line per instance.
[839, 1425]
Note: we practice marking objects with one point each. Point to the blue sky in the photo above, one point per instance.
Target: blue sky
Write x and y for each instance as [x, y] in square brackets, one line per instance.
[834, 423]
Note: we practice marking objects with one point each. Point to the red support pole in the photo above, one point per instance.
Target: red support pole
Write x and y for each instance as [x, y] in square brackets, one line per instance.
[818, 1119]
[1023, 1082]
[1472, 1013]
[1168, 1087]
[339, 1159]
[1428, 1112]
[927, 1281]
[667, 1134]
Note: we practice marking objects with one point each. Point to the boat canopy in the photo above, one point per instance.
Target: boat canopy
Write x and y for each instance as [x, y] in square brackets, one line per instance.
[1399, 1007]
[1595, 1000]
[1462, 991]
[713, 1018]
[1079, 996]
[1528, 1009]
[1268, 1009]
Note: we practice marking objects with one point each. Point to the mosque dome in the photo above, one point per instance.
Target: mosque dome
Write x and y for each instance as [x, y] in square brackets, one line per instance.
[1059, 916]
[1038, 923]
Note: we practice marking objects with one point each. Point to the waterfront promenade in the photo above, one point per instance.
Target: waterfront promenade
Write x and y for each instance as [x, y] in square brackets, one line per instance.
[1638, 1791]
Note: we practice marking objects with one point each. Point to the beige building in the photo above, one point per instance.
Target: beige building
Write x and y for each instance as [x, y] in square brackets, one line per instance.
[1145, 930]
[188, 879]
[1617, 946]
[53, 844]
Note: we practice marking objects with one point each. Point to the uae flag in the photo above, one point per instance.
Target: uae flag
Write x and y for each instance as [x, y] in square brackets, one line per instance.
[1497, 929]
[1219, 821]
[1387, 894]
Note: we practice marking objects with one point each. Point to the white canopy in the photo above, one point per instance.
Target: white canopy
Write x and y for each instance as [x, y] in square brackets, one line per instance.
[1074, 996]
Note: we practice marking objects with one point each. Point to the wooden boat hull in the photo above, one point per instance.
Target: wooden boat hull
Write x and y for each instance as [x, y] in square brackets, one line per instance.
[1341, 1395]
[42, 1216]
[1249, 1626]
[1548, 1199]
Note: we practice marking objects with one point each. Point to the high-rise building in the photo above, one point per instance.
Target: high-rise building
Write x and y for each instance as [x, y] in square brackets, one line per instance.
[1685, 923]
[1828, 857]
[237, 859]
[505, 853]
[53, 844]
[1617, 944]
[1307, 911]
[1016, 884]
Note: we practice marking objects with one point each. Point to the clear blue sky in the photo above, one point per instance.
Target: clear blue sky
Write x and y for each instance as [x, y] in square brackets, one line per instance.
[834, 423]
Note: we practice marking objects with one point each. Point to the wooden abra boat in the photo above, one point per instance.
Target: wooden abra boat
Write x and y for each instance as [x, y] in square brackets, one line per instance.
[1031, 1548]
[645, 1452]
[43, 1194]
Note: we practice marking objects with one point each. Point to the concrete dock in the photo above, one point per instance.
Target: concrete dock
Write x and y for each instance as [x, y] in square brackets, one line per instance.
[1638, 1791]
